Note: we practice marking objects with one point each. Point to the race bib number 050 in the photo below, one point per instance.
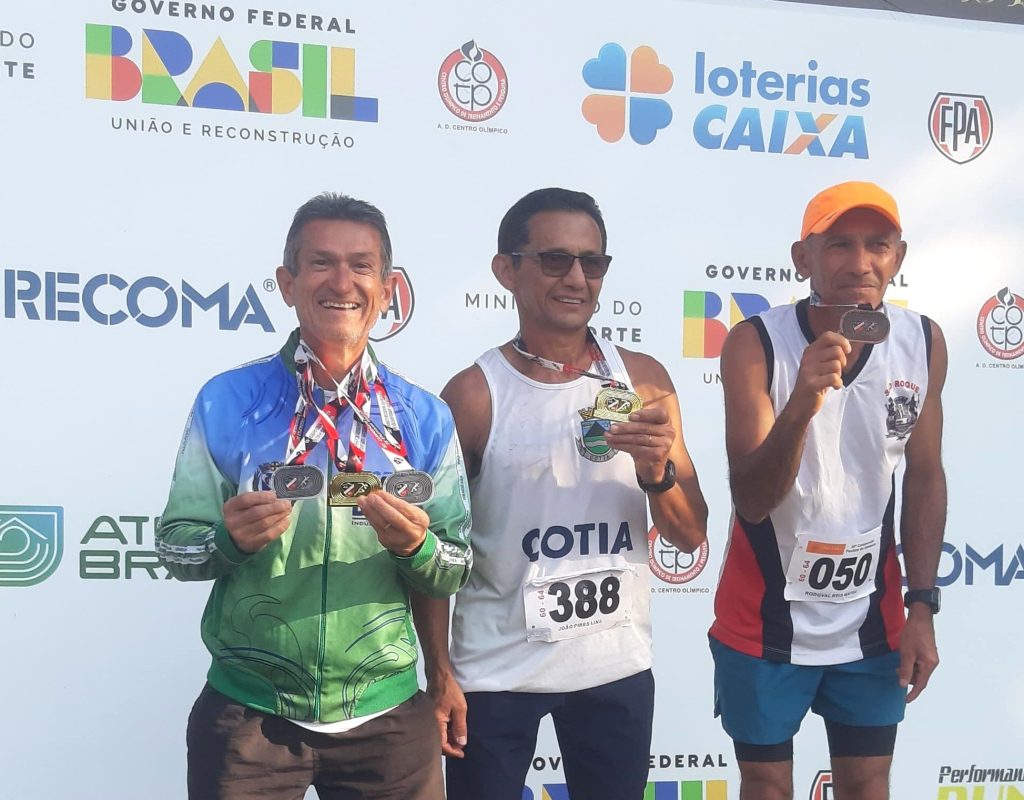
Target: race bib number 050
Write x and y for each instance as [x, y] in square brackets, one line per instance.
[833, 570]
[568, 606]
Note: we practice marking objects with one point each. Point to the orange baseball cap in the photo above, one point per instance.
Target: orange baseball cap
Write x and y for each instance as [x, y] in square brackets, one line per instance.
[828, 205]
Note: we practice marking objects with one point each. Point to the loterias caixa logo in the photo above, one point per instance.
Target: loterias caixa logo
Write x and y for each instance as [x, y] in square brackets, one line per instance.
[31, 543]
[166, 68]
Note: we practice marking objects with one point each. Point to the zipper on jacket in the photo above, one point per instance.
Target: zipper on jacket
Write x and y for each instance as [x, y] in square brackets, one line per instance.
[321, 646]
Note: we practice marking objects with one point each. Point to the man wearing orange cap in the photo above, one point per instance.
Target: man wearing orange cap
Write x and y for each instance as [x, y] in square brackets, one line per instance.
[809, 611]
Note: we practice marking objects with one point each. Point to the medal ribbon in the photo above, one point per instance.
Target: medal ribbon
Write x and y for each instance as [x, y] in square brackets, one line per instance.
[603, 374]
[354, 391]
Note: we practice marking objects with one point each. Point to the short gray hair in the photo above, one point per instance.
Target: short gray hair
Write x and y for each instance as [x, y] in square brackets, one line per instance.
[334, 206]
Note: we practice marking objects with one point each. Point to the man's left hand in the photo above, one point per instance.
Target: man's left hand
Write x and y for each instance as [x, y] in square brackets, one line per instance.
[648, 438]
[401, 527]
[918, 655]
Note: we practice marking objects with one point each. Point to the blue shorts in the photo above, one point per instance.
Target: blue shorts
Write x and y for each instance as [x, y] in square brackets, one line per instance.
[763, 702]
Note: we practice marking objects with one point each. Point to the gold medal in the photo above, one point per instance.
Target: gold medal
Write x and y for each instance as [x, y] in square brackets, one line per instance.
[616, 404]
[348, 487]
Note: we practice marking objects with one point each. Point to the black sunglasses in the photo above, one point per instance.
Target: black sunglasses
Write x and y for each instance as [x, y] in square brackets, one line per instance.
[556, 264]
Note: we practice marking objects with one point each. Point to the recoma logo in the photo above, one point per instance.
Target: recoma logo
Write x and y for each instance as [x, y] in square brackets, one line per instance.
[31, 543]
[109, 299]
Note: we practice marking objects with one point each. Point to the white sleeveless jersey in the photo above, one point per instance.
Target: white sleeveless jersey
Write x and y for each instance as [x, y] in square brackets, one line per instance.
[842, 504]
[558, 520]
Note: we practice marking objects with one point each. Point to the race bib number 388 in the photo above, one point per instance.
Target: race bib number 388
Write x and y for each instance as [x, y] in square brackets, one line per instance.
[568, 606]
[833, 570]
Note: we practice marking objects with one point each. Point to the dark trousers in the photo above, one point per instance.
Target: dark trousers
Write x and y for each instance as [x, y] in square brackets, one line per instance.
[604, 735]
[236, 753]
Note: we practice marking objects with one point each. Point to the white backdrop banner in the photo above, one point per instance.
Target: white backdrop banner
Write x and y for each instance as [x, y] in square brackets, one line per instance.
[155, 151]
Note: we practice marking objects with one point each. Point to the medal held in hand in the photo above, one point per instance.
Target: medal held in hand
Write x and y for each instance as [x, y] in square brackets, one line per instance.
[347, 487]
[616, 404]
[294, 482]
[410, 485]
[862, 325]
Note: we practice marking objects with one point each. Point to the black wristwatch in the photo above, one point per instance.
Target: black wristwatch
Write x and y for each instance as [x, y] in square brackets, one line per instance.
[664, 484]
[930, 597]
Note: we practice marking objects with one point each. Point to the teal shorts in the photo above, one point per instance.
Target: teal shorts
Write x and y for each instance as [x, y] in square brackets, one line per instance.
[763, 702]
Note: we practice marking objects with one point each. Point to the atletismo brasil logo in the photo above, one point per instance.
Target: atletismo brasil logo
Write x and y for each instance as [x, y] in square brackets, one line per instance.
[472, 83]
[623, 97]
[1001, 325]
[960, 125]
[780, 128]
[31, 543]
[285, 76]
[109, 299]
[397, 315]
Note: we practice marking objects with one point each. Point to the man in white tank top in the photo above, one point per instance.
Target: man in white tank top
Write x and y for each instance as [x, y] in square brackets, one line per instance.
[556, 616]
[821, 407]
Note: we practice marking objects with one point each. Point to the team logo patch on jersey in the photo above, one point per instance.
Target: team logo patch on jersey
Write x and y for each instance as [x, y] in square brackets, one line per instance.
[590, 442]
[902, 403]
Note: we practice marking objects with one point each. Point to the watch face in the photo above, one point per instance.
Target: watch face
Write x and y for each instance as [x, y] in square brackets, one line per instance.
[930, 597]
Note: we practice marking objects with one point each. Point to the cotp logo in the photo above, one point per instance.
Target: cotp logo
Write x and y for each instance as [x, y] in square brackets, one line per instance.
[1001, 325]
[703, 333]
[609, 110]
[960, 126]
[472, 83]
[822, 787]
[670, 563]
[31, 543]
[397, 315]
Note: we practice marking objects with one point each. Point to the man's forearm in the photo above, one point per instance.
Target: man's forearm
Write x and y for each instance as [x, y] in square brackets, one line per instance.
[923, 525]
[681, 515]
[431, 618]
[760, 479]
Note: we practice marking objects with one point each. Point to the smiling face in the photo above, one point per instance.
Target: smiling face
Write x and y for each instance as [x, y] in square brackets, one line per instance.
[853, 261]
[565, 303]
[337, 292]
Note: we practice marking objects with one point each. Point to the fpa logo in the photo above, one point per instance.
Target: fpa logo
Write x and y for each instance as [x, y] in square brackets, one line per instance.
[472, 83]
[622, 96]
[397, 315]
[703, 332]
[821, 789]
[31, 543]
[960, 125]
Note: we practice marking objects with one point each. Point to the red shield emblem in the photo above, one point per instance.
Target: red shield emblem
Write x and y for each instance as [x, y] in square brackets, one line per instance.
[397, 315]
[960, 125]
[822, 787]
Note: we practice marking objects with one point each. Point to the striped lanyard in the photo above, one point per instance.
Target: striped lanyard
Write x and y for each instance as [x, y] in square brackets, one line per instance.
[603, 374]
[355, 391]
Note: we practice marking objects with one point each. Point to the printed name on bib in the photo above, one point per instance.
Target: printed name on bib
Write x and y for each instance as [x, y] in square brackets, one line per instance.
[587, 538]
[569, 606]
[833, 570]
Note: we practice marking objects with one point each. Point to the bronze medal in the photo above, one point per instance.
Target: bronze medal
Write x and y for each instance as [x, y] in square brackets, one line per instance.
[410, 485]
[861, 325]
[616, 404]
[348, 487]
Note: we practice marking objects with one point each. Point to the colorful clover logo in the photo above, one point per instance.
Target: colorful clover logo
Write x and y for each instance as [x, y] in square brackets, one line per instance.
[608, 109]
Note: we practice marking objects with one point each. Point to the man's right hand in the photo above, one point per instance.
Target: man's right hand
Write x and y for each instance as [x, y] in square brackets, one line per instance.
[821, 369]
[255, 519]
[450, 711]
